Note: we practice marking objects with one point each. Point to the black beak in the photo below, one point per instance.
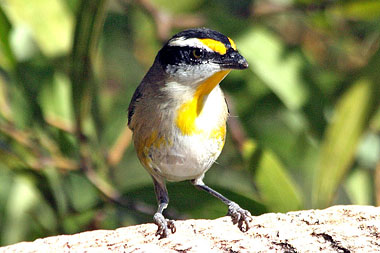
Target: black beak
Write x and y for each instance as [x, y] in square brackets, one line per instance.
[233, 60]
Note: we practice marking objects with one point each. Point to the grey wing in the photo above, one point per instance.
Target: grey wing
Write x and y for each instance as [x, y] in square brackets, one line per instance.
[135, 99]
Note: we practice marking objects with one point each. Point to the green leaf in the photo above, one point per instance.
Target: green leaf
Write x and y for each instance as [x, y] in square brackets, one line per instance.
[368, 152]
[5, 49]
[22, 198]
[55, 180]
[359, 187]
[278, 191]
[89, 23]
[5, 187]
[375, 122]
[50, 22]
[24, 208]
[82, 193]
[179, 6]
[341, 140]
[55, 100]
[79, 222]
[265, 55]
[358, 10]
[10, 158]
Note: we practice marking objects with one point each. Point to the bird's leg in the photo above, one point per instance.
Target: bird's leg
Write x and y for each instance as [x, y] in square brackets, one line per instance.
[239, 215]
[163, 200]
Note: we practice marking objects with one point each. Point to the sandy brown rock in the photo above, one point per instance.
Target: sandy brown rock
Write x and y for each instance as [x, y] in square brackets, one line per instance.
[336, 229]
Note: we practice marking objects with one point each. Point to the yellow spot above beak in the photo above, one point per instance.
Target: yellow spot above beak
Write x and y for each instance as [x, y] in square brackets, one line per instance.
[233, 45]
[215, 45]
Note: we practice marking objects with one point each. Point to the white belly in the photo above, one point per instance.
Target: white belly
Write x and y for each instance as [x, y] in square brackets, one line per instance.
[188, 158]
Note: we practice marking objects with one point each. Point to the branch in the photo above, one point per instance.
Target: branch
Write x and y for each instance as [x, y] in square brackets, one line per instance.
[336, 229]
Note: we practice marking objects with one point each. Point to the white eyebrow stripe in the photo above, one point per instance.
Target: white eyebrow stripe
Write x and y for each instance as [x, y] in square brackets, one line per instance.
[192, 42]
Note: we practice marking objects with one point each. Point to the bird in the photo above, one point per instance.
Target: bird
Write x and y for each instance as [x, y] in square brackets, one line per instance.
[178, 116]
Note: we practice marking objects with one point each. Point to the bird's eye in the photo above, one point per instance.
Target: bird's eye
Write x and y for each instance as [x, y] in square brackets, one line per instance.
[197, 53]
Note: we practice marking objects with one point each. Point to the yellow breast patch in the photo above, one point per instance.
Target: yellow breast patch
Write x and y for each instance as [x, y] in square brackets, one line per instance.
[190, 110]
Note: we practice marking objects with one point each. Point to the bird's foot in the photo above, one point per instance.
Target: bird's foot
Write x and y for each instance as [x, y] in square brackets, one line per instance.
[239, 216]
[164, 225]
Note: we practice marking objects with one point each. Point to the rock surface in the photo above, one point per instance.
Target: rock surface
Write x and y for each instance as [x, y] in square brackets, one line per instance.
[336, 229]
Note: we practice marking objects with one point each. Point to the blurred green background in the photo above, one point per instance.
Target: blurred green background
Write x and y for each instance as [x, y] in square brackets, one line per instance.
[304, 130]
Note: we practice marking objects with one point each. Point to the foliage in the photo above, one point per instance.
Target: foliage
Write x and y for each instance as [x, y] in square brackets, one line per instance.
[304, 130]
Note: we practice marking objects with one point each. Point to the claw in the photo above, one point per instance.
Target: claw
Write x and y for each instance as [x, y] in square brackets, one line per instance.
[164, 225]
[239, 216]
[171, 226]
